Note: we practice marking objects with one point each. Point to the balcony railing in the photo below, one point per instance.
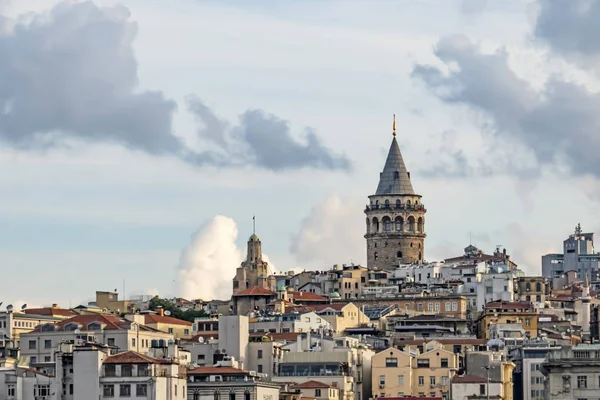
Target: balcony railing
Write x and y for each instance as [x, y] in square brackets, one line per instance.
[412, 207]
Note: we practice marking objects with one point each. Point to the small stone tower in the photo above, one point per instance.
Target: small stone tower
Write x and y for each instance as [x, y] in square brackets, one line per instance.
[254, 271]
[395, 216]
[585, 309]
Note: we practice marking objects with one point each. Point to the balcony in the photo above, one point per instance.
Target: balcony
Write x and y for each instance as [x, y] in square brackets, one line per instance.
[401, 207]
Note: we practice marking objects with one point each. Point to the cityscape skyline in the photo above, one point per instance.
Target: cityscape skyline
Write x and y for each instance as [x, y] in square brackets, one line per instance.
[125, 210]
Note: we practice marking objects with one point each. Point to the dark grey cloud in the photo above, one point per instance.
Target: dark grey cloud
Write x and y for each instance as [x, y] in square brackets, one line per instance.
[570, 27]
[557, 125]
[71, 73]
[265, 140]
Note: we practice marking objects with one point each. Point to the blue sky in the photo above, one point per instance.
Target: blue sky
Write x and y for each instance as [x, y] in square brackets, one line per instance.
[86, 213]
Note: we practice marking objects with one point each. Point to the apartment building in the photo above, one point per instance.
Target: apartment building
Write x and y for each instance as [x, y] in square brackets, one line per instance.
[13, 323]
[572, 372]
[528, 359]
[532, 289]
[318, 390]
[227, 382]
[121, 334]
[180, 329]
[507, 313]
[400, 373]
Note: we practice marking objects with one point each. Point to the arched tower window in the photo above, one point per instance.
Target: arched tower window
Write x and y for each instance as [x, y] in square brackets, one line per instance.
[538, 287]
[375, 224]
[387, 223]
[420, 256]
[387, 204]
[420, 224]
[408, 203]
[399, 222]
[375, 255]
[368, 226]
[398, 203]
[411, 224]
[528, 287]
[376, 203]
[399, 254]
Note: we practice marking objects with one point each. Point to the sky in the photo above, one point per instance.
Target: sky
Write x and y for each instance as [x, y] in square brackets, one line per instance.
[139, 138]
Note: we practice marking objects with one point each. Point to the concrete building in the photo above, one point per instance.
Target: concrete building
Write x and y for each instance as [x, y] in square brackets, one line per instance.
[532, 289]
[225, 382]
[13, 324]
[395, 228]
[498, 286]
[572, 372]
[233, 336]
[22, 383]
[318, 390]
[110, 301]
[507, 313]
[472, 387]
[527, 376]
[400, 373]
[289, 322]
[121, 334]
[578, 255]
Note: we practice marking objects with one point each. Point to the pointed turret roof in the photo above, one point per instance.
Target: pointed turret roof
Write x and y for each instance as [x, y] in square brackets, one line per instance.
[395, 178]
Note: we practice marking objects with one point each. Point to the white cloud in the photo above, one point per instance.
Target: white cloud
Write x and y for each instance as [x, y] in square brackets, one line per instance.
[331, 233]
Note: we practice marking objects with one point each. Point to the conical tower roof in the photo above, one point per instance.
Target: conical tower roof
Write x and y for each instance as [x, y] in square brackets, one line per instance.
[395, 178]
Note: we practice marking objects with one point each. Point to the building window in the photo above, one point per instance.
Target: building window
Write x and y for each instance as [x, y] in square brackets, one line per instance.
[447, 306]
[108, 391]
[70, 388]
[126, 370]
[420, 307]
[33, 360]
[133, 342]
[489, 290]
[260, 368]
[423, 363]
[582, 382]
[110, 370]
[10, 390]
[382, 380]
[47, 344]
[421, 381]
[246, 395]
[110, 341]
[400, 380]
[232, 395]
[538, 287]
[175, 390]
[125, 390]
[186, 331]
[216, 395]
[32, 344]
[527, 322]
[444, 363]
[444, 380]
[170, 330]
[454, 306]
[260, 354]
[429, 307]
[528, 287]
[391, 362]
[432, 380]
[141, 390]
[47, 358]
[437, 307]
[481, 389]
[388, 225]
[41, 390]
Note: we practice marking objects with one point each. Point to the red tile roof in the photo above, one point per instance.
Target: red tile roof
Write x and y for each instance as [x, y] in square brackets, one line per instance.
[468, 379]
[163, 319]
[217, 371]
[316, 307]
[307, 296]
[131, 357]
[255, 291]
[312, 385]
[109, 322]
[206, 335]
[51, 311]
[463, 341]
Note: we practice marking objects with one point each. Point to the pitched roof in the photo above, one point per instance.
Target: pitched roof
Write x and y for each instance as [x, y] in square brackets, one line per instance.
[217, 370]
[109, 322]
[394, 178]
[312, 385]
[468, 379]
[131, 357]
[255, 291]
[307, 296]
[463, 341]
[51, 311]
[164, 319]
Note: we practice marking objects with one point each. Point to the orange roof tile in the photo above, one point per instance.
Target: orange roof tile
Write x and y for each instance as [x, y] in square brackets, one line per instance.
[51, 311]
[255, 291]
[307, 296]
[468, 379]
[312, 385]
[164, 319]
[131, 357]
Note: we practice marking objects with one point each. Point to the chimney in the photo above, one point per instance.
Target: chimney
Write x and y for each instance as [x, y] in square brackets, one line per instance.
[54, 305]
[160, 311]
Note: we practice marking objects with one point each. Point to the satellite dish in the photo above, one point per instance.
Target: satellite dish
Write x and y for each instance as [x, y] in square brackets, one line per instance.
[9, 307]
[76, 331]
[167, 313]
[200, 339]
[0, 303]
[24, 306]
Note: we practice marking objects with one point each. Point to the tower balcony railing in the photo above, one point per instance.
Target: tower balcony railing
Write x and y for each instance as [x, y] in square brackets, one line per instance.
[411, 207]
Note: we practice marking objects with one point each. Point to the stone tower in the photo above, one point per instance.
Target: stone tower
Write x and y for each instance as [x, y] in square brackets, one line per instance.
[395, 216]
[585, 309]
[253, 271]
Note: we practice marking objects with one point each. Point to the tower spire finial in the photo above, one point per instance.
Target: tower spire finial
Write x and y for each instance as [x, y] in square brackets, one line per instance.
[254, 224]
[394, 126]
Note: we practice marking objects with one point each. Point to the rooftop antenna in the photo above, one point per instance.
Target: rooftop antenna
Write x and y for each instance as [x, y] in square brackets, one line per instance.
[394, 126]
[254, 224]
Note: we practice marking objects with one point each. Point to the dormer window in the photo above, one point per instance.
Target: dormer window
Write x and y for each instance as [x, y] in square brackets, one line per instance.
[396, 175]
[47, 328]
[94, 326]
[71, 326]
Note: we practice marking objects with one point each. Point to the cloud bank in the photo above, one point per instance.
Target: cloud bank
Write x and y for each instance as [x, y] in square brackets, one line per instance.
[71, 73]
[330, 234]
[557, 125]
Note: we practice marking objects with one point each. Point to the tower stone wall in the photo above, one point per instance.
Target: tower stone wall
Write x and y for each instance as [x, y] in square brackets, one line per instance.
[395, 217]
